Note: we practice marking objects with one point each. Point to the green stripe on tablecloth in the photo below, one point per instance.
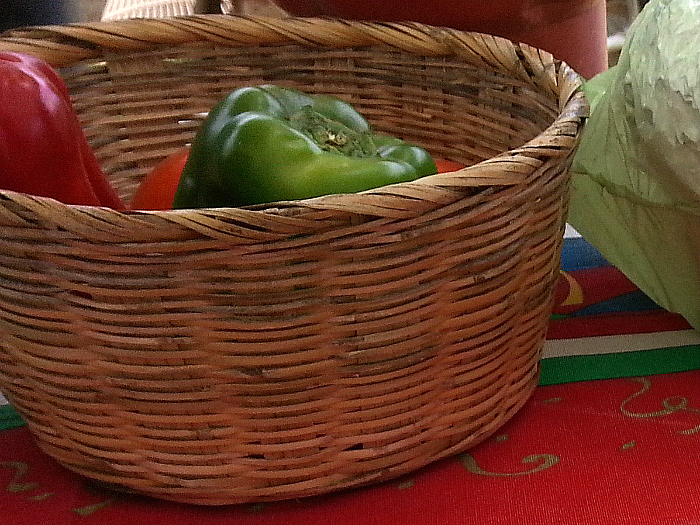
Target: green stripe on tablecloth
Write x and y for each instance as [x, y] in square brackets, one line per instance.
[9, 418]
[569, 369]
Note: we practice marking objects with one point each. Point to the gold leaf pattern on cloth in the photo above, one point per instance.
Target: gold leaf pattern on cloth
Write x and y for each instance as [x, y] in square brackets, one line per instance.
[628, 445]
[670, 405]
[21, 469]
[545, 461]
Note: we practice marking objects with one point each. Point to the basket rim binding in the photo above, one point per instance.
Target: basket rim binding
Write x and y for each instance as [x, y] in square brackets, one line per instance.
[66, 45]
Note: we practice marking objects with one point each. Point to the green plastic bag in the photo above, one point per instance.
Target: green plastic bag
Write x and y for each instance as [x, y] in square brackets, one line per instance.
[636, 173]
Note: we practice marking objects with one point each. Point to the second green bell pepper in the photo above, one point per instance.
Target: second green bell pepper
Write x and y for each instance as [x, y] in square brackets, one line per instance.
[270, 143]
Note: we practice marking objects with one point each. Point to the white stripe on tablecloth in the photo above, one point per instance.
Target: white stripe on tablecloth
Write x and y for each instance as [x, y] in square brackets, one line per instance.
[619, 343]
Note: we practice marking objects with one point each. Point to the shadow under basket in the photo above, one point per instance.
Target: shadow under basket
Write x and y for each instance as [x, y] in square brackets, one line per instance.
[218, 356]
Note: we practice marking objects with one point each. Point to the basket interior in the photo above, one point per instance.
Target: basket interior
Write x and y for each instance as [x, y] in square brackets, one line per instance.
[138, 107]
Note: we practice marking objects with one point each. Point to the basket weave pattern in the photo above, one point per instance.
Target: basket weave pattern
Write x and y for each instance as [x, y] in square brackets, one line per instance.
[235, 355]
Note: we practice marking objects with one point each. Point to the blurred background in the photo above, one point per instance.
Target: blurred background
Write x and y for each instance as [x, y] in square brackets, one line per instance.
[90, 9]
[13, 13]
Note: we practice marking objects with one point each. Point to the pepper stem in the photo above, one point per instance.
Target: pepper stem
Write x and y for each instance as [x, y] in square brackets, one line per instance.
[331, 135]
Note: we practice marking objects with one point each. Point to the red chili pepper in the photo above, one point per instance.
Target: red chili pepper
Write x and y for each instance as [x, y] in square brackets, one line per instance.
[43, 150]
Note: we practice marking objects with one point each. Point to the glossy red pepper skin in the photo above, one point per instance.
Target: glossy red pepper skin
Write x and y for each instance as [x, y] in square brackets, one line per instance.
[157, 189]
[43, 150]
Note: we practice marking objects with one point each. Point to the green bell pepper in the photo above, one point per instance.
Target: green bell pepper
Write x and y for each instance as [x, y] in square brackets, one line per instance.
[270, 143]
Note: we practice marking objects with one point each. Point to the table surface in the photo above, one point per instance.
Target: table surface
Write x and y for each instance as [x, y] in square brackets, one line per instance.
[611, 436]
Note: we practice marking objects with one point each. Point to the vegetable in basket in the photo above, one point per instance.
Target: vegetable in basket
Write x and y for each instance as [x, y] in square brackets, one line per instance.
[157, 189]
[636, 180]
[270, 143]
[43, 150]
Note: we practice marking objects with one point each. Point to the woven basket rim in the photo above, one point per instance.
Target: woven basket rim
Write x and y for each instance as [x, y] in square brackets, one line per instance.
[70, 44]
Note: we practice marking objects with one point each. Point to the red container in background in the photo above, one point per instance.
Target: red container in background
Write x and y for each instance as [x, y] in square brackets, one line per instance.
[572, 30]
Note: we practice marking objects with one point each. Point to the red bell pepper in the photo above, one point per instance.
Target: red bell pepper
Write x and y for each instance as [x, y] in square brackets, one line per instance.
[157, 189]
[43, 150]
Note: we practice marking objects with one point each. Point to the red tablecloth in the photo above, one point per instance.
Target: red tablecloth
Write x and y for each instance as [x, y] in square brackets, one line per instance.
[608, 452]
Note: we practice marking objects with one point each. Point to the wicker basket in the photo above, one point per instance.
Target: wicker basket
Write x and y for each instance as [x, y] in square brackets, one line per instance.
[236, 355]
